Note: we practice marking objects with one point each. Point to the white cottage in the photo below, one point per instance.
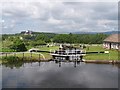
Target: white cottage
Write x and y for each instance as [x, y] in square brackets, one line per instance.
[112, 42]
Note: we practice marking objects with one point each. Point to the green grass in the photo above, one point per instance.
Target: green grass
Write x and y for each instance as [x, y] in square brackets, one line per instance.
[94, 48]
[5, 46]
[17, 60]
[6, 50]
[0, 61]
[35, 56]
[49, 48]
[113, 54]
[47, 55]
[30, 56]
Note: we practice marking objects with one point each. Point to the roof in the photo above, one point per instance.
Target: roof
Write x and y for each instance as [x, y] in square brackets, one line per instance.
[113, 38]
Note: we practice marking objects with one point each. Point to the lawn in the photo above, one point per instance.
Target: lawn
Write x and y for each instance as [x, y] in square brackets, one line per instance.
[5, 46]
[51, 48]
[31, 56]
[93, 48]
[35, 56]
[112, 55]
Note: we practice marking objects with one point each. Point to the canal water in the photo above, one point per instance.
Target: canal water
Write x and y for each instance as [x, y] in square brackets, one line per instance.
[59, 75]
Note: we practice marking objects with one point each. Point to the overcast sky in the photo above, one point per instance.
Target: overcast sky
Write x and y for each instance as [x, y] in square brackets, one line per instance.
[59, 16]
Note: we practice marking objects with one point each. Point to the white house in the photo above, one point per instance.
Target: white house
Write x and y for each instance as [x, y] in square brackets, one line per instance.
[112, 42]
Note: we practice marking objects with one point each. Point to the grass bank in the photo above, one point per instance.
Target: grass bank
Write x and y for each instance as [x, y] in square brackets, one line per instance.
[27, 56]
[51, 48]
[112, 55]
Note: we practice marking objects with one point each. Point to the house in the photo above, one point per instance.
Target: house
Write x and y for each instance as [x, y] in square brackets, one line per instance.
[112, 42]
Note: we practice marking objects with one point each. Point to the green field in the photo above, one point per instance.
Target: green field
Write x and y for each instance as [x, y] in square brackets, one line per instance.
[52, 48]
[29, 56]
[33, 56]
[112, 55]
[5, 46]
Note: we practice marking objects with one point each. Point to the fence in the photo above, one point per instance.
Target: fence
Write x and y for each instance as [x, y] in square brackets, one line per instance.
[23, 55]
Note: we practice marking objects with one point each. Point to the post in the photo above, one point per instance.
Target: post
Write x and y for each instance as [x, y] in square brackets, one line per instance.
[75, 63]
[23, 55]
[31, 54]
[14, 54]
[59, 63]
[39, 57]
[109, 55]
[6, 54]
[39, 63]
[81, 58]
[77, 58]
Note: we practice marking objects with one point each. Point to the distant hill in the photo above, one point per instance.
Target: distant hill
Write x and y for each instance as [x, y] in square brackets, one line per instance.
[109, 32]
[112, 32]
[82, 32]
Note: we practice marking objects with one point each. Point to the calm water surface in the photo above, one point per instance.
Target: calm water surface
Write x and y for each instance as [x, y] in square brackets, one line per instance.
[60, 75]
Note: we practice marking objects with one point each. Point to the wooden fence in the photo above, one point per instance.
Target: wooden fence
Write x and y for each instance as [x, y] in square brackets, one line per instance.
[23, 55]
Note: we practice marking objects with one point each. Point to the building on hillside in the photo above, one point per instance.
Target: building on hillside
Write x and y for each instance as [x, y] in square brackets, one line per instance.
[112, 42]
[27, 32]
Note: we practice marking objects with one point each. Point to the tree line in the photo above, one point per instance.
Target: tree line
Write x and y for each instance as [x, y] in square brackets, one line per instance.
[22, 42]
[80, 38]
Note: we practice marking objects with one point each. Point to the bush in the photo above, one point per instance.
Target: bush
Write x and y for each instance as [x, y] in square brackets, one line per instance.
[18, 46]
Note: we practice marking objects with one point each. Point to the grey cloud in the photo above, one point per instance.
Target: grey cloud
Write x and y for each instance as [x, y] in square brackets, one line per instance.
[63, 17]
[14, 10]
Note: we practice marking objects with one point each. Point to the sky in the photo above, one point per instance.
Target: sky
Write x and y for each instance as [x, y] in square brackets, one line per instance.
[58, 16]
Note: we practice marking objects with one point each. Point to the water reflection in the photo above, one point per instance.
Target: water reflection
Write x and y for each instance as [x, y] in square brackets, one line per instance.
[39, 63]
[75, 63]
[18, 64]
[74, 74]
[59, 74]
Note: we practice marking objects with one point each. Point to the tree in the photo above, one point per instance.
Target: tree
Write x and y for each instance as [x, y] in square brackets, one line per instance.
[42, 37]
[80, 38]
[18, 46]
[37, 43]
